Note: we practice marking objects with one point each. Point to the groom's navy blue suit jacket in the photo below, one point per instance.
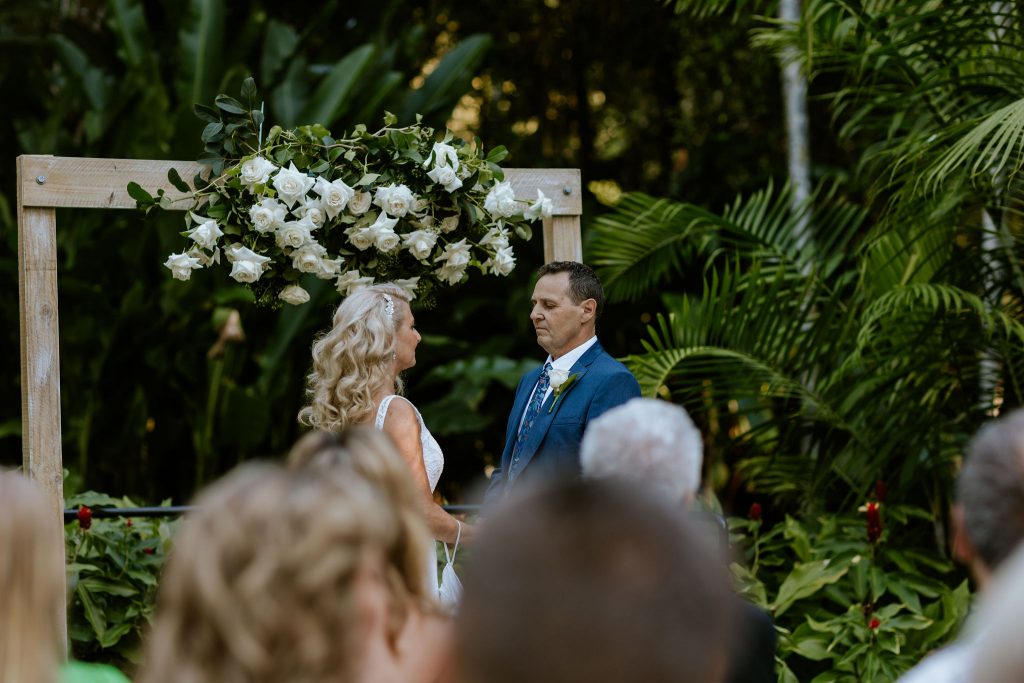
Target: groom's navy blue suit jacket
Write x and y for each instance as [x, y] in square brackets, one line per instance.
[552, 446]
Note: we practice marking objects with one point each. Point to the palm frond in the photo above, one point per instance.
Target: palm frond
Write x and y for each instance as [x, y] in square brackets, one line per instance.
[646, 240]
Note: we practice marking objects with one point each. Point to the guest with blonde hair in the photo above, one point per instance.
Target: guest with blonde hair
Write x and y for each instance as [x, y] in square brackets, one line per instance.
[284, 575]
[356, 380]
[367, 453]
[31, 573]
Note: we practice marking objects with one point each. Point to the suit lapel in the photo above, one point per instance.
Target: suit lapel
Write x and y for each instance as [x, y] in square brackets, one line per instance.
[546, 416]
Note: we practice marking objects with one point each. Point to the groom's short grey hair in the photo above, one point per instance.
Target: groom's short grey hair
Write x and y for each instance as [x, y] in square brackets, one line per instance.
[647, 441]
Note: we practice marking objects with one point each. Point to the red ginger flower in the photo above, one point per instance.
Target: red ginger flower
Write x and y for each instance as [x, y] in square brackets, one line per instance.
[880, 490]
[755, 512]
[874, 623]
[874, 522]
[84, 516]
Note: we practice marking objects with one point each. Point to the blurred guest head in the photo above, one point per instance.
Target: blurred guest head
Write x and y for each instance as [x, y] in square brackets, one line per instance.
[646, 441]
[283, 576]
[998, 657]
[988, 516]
[371, 454]
[587, 581]
[31, 573]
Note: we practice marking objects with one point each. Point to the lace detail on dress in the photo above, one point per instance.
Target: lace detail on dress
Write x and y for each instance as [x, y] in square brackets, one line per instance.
[433, 458]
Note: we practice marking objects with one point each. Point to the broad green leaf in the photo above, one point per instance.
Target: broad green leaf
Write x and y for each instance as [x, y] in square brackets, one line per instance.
[331, 97]
[805, 579]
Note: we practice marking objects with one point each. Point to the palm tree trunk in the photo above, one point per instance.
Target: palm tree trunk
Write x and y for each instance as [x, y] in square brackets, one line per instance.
[794, 86]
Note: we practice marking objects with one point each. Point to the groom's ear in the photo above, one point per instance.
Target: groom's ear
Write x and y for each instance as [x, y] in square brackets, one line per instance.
[589, 307]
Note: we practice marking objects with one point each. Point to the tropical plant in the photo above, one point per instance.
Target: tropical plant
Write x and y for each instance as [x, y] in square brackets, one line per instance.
[854, 596]
[113, 566]
[874, 339]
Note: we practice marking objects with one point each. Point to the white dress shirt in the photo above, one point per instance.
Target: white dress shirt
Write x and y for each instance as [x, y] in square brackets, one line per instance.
[562, 363]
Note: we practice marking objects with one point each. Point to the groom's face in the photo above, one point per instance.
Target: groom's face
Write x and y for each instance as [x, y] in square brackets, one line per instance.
[559, 323]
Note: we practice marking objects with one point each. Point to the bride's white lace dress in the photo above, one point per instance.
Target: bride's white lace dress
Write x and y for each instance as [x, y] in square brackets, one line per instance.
[433, 462]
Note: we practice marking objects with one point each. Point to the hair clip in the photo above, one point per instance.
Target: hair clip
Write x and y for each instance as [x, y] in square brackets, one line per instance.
[389, 306]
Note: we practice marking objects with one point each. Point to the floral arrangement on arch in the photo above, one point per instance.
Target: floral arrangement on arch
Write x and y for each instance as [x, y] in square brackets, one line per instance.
[392, 205]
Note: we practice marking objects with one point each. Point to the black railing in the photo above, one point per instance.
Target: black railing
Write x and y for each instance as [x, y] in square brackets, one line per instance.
[70, 514]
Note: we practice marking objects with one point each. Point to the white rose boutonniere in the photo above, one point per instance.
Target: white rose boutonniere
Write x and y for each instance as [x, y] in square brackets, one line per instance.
[560, 380]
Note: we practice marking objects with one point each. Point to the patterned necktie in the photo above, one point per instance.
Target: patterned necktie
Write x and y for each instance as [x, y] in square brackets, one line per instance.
[531, 416]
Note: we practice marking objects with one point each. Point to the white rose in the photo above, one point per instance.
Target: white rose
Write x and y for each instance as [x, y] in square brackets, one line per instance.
[409, 286]
[351, 282]
[501, 201]
[329, 268]
[384, 222]
[446, 176]
[268, 215]
[313, 210]
[503, 261]
[294, 234]
[360, 203]
[443, 155]
[450, 274]
[449, 224]
[420, 243]
[246, 265]
[557, 377]
[386, 240]
[256, 171]
[293, 294]
[396, 200]
[496, 238]
[307, 258]
[539, 209]
[182, 265]
[292, 184]
[362, 238]
[456, 255]
[334, 196]
[205, 234]
[204, 258]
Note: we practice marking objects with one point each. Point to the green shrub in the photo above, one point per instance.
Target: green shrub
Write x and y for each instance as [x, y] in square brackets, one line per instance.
[855, 597]
[113, 566]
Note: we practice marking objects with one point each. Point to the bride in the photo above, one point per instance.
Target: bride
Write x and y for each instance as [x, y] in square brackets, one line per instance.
[356, 380]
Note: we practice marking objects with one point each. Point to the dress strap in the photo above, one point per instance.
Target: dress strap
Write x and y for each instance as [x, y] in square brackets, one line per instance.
[382, 411]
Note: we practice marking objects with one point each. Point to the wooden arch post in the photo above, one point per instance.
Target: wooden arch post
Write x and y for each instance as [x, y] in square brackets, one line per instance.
[46, 183]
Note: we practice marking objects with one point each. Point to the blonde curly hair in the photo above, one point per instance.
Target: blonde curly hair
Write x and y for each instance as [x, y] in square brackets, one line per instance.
[369, 453]
[353, 361]
[31, 573]
[262, 584]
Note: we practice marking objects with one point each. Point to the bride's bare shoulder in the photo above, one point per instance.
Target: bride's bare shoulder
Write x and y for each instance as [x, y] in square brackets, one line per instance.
[401, 418]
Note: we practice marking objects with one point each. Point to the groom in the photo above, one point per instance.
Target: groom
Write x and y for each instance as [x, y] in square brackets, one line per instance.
[578, 382]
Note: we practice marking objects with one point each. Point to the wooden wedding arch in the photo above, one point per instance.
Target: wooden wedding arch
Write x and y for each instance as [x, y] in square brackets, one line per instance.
[46, 183]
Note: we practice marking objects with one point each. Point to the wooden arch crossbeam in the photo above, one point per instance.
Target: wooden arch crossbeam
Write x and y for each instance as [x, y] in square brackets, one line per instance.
[46, 183]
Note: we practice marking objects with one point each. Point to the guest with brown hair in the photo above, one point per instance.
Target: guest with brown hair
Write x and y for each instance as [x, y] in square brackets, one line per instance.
[586, 581]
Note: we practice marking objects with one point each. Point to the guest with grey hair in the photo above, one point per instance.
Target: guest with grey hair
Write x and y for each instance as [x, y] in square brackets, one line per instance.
[651, 442]
[987, 521]
[655, 445]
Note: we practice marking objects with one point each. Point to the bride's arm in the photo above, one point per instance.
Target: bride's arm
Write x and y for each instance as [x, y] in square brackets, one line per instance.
[402, 425]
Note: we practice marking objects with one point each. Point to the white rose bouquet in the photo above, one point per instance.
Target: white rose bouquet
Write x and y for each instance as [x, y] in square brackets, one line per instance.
[392, 205]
